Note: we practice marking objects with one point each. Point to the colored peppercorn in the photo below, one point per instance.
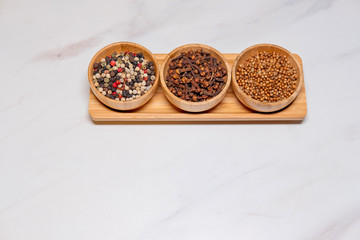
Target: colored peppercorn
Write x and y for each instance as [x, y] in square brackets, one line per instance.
[118, 76]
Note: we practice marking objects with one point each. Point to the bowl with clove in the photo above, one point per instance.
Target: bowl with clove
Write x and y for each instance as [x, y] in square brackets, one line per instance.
[195, 77]
[124, 47]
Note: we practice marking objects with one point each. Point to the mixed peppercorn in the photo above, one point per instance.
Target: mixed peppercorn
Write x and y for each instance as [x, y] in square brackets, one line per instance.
[267, 77]
[124, 76]
[196, 76]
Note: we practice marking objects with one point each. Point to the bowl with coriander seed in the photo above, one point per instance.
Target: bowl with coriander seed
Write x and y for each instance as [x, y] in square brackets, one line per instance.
[123, 75]
[266, 77]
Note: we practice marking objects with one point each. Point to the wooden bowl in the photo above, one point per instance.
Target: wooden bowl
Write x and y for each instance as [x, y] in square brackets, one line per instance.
[188, 105]
[122, 47]
[255, 104]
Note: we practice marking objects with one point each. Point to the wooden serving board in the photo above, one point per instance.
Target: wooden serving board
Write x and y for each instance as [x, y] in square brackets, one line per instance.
[229, 110]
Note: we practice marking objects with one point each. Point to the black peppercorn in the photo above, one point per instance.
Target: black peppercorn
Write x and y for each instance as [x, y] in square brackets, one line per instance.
[131, 58]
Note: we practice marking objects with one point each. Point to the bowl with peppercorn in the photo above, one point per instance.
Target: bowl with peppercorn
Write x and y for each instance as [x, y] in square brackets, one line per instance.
[195, 77]
[266, 77]
[123, 75]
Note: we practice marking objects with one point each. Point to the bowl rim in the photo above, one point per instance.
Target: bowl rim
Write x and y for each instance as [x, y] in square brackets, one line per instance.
[200, 46]
[141, 47]
[273, 104]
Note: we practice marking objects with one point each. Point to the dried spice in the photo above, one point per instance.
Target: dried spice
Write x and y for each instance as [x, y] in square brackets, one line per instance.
[124, 76]
[196, 76]
[267, 77]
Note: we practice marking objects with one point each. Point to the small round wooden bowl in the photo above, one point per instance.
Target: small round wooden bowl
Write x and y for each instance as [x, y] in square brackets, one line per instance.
[122, 47]
[188, 105]
[255, 104]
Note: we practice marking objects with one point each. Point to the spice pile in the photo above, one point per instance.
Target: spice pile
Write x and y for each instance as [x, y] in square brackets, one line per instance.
[124, 76]
[267, 77]
[196, 76]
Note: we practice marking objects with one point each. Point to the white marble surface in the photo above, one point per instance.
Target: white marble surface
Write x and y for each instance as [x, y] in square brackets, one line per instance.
[62, 177]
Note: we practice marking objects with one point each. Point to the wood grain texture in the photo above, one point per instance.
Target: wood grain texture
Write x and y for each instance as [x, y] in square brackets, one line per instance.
[230, 109]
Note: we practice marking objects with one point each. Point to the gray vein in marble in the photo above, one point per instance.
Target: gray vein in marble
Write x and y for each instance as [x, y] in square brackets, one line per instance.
[29, 122]
[33, 194]
[63, 131]
[256, 214]
[67, 51]
[350, 53]
[18, 101]
[338, 227]
[174, 214]
[352, 132]
[250, 171]
[267, 15]
[139, 26]
[166, 219]
[317, 6]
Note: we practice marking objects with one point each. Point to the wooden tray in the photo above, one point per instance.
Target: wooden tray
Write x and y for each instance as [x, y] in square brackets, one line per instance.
[229, 110]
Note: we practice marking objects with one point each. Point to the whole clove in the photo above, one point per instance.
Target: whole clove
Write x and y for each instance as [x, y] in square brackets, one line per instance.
[196, 76]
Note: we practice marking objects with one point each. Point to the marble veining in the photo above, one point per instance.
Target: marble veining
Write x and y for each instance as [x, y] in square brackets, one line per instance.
[70, 50]
[64, 177]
